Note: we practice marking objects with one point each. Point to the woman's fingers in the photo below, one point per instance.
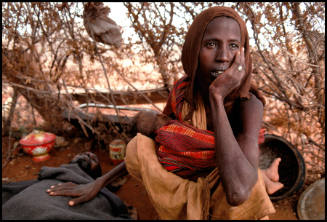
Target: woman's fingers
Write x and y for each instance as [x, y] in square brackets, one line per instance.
[243, 56]
[239, 64]
[239, 59]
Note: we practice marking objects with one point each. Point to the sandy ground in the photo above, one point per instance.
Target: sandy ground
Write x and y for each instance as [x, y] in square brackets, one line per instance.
[21, 167]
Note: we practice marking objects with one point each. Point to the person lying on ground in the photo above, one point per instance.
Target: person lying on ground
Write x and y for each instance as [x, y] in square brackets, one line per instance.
[27, 200]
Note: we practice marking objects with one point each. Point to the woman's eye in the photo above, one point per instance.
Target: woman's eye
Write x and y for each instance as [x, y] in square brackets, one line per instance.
[234, 46]
[211, 44]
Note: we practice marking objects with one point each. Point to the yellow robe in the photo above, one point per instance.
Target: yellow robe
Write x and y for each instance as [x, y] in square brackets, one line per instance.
[175, 198]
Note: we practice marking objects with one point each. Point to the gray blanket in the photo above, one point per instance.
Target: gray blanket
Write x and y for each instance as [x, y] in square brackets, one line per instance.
[29, 200]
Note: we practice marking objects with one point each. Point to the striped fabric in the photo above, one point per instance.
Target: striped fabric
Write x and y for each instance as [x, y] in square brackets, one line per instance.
[176, 99]
[185, 150]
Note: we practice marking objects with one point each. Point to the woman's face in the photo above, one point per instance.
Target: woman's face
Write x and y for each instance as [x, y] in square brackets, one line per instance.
[221, 41]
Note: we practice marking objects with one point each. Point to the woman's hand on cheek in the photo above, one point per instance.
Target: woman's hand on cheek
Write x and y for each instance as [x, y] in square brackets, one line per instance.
[225, 83]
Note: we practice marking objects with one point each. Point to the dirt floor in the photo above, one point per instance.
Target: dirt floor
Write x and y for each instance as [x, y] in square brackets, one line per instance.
[21, 167]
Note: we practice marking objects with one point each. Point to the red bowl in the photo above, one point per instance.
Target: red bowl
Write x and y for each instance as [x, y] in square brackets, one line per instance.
[38, 144]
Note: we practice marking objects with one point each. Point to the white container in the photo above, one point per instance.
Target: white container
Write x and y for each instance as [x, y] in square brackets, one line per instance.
[117, 150]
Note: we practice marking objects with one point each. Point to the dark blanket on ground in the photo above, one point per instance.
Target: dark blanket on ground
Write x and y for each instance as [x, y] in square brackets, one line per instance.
[29, 199]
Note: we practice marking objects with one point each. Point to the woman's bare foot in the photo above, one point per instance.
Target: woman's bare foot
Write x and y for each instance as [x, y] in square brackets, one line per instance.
[272, 171]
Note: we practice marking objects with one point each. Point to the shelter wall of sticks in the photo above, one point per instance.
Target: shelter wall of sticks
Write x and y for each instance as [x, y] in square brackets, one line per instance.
[60, 71]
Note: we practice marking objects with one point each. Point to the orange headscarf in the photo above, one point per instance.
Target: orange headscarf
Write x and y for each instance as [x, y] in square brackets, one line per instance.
[192, 46]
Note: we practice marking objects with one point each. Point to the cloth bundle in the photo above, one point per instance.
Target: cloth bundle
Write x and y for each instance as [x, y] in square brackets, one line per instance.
[185, 150]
